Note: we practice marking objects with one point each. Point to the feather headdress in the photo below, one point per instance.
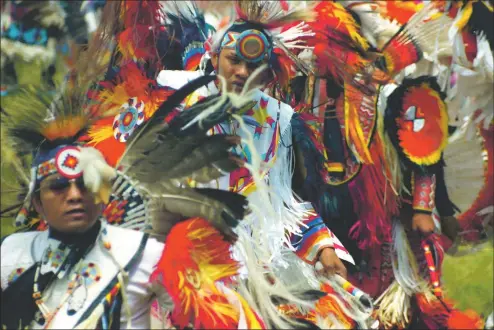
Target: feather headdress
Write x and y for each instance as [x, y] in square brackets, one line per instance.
[188, 31]
[271, 30]
[271, 14]
[49, 128]
[129, 91]
[52, 126]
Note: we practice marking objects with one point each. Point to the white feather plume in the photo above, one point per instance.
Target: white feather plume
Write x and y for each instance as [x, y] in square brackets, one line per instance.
[96, 170]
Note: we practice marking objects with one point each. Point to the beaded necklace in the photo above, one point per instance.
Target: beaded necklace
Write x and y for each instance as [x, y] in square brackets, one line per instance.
[74, 283]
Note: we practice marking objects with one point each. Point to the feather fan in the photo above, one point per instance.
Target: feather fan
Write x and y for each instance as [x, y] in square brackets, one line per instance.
[162, 156]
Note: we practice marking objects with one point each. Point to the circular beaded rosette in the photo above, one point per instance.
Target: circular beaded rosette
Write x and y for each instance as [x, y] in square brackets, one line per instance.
[130, 117]
[67, 162]
[90, 273]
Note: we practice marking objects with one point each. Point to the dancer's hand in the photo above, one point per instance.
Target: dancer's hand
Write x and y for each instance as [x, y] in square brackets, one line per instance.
[331, 263]
[423, 222]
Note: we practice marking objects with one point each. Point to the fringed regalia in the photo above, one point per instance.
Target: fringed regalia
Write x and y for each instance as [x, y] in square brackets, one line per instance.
[379, 111]
[279, 242]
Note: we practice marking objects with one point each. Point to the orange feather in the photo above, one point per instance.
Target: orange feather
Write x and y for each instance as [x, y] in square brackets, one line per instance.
[194, 259]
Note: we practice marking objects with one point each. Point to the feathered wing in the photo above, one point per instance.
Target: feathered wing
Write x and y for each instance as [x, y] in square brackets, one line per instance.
[164, 156]
[469, 181]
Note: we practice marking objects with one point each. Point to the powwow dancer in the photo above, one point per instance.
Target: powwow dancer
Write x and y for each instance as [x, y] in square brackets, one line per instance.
[264, 245]
[82, 272]
[235, 52]
[352, 161]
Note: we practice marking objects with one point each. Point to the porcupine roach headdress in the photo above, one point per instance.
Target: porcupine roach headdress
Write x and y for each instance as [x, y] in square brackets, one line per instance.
[49, 129]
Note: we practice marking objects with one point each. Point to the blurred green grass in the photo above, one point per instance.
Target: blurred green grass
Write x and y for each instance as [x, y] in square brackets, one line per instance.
[469, 279]
[8, 182]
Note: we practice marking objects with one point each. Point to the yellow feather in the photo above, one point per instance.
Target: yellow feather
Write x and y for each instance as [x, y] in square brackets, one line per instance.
[346, 19]
[465, 16]
[99, 134]
[353, 131]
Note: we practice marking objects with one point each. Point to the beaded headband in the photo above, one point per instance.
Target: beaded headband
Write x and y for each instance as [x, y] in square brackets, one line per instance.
[250, 45]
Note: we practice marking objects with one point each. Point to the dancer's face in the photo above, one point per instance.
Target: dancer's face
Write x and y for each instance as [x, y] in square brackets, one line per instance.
[236, 71]
[66, 205]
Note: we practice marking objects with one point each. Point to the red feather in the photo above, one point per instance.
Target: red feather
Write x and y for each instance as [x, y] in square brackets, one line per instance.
[440, 314]
[130, 82]
[286, 70]
[465, 320]
[335, 40]
[142, 22]
[194, 259]
[284, 5]
[142, 12]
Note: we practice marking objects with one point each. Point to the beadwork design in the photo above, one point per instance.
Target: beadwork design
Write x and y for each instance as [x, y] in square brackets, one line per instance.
[14, 275]
[90, 273]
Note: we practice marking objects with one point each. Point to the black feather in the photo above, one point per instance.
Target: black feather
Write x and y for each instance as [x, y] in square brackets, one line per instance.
[185, 117]
[208, 150]
[236, 203]
[309, 295]
[32, 139]
[175, 99]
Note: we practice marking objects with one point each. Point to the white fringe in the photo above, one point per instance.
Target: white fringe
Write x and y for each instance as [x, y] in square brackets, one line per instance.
[263, 247]
[404, 268]
[261, 244]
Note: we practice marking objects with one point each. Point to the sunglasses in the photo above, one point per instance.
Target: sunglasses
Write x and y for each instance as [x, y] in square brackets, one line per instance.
[60, 184]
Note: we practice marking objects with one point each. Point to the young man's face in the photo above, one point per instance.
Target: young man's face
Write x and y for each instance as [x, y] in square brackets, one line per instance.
[66, 205]
[236, 71]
